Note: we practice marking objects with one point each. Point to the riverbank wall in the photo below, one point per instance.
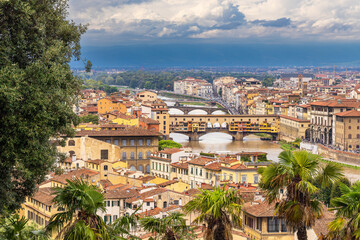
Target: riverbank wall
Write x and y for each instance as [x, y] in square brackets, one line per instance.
[341, 156]
[337, 155]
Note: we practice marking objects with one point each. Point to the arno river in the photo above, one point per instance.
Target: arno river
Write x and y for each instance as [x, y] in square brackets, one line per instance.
[223, 143]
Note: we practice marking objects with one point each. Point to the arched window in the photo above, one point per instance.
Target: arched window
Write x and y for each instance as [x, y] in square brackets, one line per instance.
[141, 168]
[71, 143]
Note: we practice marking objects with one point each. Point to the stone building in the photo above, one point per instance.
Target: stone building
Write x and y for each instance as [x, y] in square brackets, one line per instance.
[130, 145]
[347, 130]
[292, 128]
[322, 118]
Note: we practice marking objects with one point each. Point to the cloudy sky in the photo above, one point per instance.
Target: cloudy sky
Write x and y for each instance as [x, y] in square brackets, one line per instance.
[121, 21]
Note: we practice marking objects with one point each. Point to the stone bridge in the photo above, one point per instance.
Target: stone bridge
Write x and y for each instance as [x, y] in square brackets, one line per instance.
[204, 124]
[236, 136]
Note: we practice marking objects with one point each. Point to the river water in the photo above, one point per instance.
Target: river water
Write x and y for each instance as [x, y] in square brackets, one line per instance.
[223, 143]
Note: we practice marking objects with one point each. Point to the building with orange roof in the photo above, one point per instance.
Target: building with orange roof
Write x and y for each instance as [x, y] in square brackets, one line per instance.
[106, 105]
[323, 118]
[347, 130]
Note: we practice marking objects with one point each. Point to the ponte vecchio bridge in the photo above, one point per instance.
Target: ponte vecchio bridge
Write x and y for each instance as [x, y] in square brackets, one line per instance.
[187, 109]
[238, 126]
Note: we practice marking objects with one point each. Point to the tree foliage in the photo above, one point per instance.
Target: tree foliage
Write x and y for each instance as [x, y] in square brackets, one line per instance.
[81, 201]
[171, 227]
[93, 84]
[220, 209]
[347, 223]
[90, 118]
[168, 144]
[295, 174]
[37, 91]
[159, 80]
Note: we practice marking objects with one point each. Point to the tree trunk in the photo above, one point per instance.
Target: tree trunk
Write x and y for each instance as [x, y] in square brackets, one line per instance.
[301, 233]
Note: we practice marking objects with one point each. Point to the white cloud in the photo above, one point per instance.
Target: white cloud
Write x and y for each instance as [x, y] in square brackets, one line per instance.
[144, 19]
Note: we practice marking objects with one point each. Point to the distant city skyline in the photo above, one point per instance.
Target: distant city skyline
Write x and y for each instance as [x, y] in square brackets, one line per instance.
[305, 28]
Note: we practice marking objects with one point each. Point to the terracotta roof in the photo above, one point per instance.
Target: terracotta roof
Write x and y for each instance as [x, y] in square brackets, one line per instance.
[164, 184]
[263, 209]
[351, 113]
[68, 160]
[129, 131]
[148, 120]
[147, 194]
[105, 183]
[146, 178]
[235, 167]
[171, 208]
[206, 186]
[44, 195]
[192, 192]
[121, 194]
[170, 150]
[81, 173]
[201, 161]
[213, 166]
[183, 165]
[337, 103]
[148, 200]
[151, 212]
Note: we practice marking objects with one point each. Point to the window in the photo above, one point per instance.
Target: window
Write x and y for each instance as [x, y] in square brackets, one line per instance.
[116, 142]
[256, 179]
[108, 140]
[71, 143]
[132, 142]
[152, 165]
[349, 136]
[273, 224]
[349, 127]
[140, 155]
[148, 154]
[196, 171]
[140, 142]
[124, 155]
[104, 154]
[259, 224]
[192, 170]
[148, 142]
[115, 217]
[207, 175]
[243, 178]
[124, 142]
[358, 136]
[132, 155]
[200, 172]
[250, 222]
[283, 225]
[105, 167]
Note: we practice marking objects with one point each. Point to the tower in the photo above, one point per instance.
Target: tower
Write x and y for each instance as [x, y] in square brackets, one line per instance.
[300, 81]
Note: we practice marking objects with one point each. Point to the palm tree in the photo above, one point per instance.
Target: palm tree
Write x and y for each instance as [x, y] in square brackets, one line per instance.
[347, 223]
[16, 228]
[294, 174]
[80, 201]
[220, 209]
[122, 227]
[171, 227]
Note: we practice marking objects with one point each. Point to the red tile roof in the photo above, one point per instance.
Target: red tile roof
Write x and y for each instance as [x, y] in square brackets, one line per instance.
[351, 113]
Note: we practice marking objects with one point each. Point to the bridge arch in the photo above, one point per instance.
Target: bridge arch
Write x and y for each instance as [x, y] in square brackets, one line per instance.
[209, 125]
[224, 125]
[218, 112]
[197, 112]
[176, 111]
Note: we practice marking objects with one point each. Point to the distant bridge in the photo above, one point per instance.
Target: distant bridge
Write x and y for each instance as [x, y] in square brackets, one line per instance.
[187, 109]
[238, 126]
